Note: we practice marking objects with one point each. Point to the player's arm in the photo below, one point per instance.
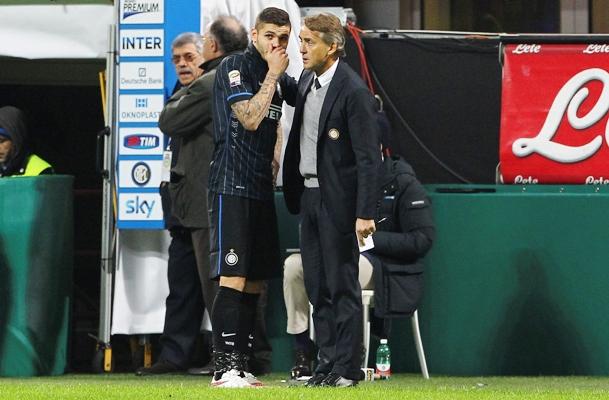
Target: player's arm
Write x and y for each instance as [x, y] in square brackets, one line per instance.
[251, 112]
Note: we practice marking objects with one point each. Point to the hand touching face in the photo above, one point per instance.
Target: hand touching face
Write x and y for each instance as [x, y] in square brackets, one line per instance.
[271, 41]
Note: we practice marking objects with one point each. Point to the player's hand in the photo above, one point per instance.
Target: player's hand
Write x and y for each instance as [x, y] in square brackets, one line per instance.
[277, 60]
[363, 228]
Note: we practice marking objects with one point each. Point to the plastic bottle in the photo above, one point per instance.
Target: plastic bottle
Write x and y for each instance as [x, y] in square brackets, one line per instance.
[383, 360]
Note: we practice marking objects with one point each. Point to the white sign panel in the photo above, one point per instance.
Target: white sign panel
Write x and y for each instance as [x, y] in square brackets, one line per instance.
[140, 141]
[141, 75]
[140, 107]
[139, 173]
[141, 12]
[141, 42]
[140, 207]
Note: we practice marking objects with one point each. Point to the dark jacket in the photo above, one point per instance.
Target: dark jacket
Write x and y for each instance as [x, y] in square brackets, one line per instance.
[12, 121]
[187, 119]
[405, 233]
[348, 156]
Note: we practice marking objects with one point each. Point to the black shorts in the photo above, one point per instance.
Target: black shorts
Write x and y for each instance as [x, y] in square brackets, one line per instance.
[244, 240]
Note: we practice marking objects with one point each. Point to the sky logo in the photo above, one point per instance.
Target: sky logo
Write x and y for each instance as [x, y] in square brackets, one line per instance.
[138, 206]
[141, 142]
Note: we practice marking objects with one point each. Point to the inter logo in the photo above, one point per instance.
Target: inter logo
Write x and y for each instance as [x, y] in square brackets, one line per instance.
[140, 173]
[231, 258]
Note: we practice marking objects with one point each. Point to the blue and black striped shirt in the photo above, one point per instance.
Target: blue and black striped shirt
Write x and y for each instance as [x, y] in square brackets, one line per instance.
[242, 159]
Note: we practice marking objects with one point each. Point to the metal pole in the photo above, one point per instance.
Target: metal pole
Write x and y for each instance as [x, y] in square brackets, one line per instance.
[108, 229]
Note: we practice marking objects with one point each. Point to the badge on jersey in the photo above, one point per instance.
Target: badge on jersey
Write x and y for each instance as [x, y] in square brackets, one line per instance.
[231, 258]
[234, 78]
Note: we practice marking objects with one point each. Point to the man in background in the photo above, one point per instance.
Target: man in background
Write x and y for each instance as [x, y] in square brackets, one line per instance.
[16, 158]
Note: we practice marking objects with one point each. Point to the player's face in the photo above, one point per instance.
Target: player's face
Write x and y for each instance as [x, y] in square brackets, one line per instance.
[315, 52]
[270, 36]
[185, 59]
[5, 148]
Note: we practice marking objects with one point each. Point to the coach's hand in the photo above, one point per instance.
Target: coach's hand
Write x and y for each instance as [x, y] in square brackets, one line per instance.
[363, 228]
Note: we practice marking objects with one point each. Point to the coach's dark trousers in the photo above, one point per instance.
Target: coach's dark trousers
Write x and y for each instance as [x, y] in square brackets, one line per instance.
[329, 259]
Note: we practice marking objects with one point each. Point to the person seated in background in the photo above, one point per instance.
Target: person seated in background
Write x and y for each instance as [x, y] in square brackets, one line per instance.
[393, 267]
[16, 158]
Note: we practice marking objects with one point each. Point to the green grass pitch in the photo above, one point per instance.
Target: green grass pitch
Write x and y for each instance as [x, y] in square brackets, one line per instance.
[400, 386]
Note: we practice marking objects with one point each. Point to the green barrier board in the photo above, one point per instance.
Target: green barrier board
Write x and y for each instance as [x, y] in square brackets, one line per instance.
[518, 281]
[36, 258]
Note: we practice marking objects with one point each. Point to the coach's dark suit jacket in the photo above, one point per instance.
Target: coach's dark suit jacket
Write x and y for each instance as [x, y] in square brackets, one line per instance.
[347, 165]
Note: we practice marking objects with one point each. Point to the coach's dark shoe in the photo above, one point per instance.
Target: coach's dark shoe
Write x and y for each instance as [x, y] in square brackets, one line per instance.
[159, 368]
[316, 379]
[335, 380]
[302, 365]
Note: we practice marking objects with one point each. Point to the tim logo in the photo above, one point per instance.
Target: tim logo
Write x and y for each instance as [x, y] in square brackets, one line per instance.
[141, 142]
[138, 206]
[135, 7]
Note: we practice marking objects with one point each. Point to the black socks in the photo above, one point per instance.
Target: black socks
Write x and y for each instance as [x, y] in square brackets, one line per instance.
[247, 321]
[225, 319]
[303, 342]
[233, 319]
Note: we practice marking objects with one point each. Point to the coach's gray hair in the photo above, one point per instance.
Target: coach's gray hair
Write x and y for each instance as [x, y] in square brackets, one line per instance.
[330, 30]
[188, 38]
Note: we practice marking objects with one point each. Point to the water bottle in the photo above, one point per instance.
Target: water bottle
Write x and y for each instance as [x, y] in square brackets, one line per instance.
[383, 360]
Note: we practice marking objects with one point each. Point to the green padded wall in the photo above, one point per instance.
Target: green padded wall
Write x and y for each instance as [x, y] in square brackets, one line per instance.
[518, 282]
[36, 257]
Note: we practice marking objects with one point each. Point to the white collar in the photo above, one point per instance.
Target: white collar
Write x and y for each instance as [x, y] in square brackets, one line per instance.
[327, 76]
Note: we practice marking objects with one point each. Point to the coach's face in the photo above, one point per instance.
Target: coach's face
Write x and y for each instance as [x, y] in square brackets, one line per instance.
[187, 60]
[270, 36]
[316, 54]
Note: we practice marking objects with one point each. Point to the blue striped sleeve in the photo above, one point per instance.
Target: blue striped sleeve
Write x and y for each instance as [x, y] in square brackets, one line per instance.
[234, 74]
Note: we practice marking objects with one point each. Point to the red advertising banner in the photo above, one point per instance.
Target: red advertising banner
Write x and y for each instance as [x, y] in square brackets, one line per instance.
[554, 114]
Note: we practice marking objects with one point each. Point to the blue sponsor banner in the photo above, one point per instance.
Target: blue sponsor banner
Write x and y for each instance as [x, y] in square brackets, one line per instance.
[146, 78]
